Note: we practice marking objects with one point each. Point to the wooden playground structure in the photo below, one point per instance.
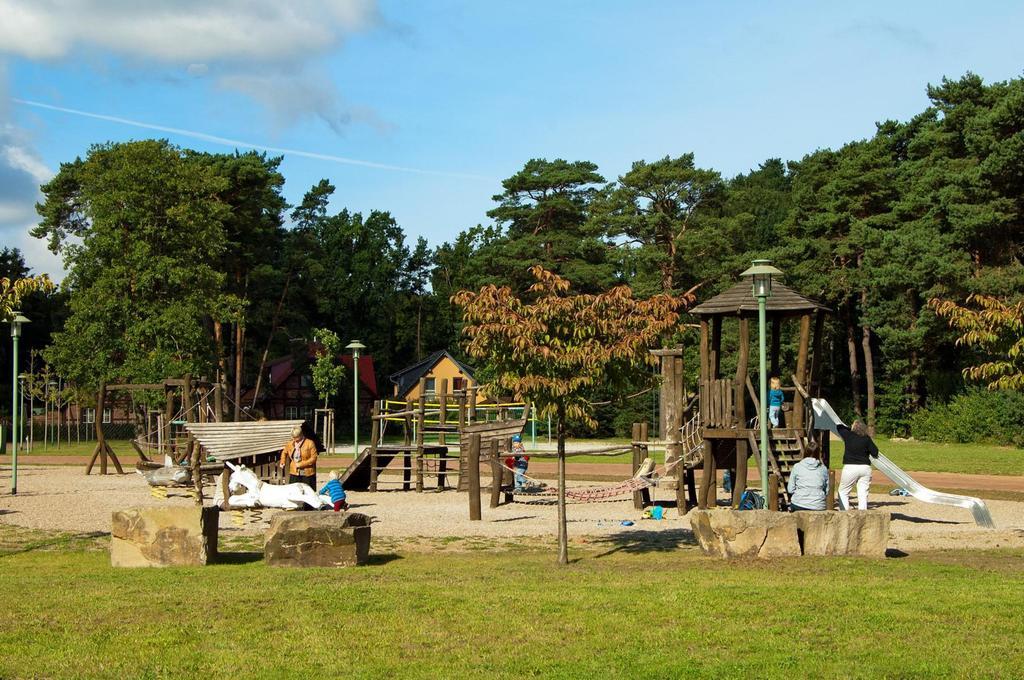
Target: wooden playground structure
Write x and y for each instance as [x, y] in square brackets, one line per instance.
[729, 429]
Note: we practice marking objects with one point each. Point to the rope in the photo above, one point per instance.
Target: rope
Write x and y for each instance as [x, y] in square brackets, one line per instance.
[587, 494]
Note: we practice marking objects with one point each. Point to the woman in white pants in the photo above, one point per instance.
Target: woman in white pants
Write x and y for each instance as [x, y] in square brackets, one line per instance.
[860, 449]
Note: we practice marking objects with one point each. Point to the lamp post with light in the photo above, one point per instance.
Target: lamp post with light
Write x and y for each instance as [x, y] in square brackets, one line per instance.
[761, 274]
[16, 324]
[355, 346]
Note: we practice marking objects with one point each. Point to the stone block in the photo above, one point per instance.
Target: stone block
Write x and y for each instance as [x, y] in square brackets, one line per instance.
[163, 537]
[762, 533]
[317, 539]
[862, 534]
[745, 533]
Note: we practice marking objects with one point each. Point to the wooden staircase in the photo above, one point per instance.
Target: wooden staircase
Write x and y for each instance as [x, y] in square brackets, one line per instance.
[786, 449]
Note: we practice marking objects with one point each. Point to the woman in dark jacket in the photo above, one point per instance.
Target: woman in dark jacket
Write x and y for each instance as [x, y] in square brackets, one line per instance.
[860, 449]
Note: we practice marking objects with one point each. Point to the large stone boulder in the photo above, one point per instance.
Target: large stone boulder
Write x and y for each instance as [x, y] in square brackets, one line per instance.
[762, 533]
[163, 537]
[317, 539]
[864, 534]
[748, 533]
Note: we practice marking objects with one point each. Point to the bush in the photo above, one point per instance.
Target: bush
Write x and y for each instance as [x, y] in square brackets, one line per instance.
[977, 416]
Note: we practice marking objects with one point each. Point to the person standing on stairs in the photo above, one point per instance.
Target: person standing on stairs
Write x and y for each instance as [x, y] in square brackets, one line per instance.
[808, 482]
[860, 449]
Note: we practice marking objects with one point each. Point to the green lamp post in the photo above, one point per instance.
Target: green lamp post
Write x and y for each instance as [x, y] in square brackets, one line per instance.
[16, 324]
[356, 347]
[761, 274]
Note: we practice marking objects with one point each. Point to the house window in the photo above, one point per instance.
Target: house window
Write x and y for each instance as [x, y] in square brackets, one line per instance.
[291, 412]
[430, 385]
[458, 384]
[306, 381]
[306, 413]
[108, 415]
[90, 415]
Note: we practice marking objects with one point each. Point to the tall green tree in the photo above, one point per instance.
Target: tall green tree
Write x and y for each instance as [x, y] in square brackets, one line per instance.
[543, 211]
[653, 209]
[140, 227]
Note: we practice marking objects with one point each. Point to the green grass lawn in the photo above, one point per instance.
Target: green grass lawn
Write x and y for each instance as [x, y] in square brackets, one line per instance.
[625, 607]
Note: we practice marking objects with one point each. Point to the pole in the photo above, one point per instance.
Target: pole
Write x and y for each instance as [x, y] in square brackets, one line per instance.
[763, 415]
[355, 403]
[14, 417]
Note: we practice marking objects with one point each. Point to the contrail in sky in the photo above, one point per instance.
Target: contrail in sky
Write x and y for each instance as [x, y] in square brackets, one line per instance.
[214, 139]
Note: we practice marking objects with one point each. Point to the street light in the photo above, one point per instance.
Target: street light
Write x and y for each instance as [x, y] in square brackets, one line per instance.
[16, 324]
[355, 346]
[761, 275]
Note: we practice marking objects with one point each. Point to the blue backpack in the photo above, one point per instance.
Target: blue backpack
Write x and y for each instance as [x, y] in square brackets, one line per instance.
[751, 500]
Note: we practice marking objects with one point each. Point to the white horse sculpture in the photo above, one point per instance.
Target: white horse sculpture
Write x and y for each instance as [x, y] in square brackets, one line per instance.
[263, 495]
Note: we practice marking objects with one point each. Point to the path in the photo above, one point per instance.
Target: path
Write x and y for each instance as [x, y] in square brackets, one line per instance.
[612, 472]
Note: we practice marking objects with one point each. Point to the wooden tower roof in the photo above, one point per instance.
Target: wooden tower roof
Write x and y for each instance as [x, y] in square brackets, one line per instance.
[740, 301]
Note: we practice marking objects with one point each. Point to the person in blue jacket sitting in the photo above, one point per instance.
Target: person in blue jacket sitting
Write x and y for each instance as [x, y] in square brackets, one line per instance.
[808, 482]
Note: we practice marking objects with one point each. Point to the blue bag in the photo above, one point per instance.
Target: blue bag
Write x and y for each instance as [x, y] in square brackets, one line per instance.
[751, 500]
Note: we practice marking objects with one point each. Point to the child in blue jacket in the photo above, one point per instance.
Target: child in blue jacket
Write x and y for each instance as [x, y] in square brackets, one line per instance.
[334, 489]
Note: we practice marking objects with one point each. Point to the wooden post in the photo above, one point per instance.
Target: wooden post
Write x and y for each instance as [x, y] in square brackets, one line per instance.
[168, 426]
[442, 410]
[716, 347]
[473, 470]
[192, 450]
[442, 400]
[421, 417]
[472, 403]
[218, 400]
[772, 502]
[797, 419]
[679, 395]
[225, 493]
[638, 501]
[407, 438]
[739, 483]
[830, 500]
[704, 372]
[707, 480]
[497, 472]
[373, 458]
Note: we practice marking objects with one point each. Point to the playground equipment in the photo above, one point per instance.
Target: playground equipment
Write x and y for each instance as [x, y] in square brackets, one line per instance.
[256, 445]
[825, 418]
[259, 494]
[450, 415]
[729, 435]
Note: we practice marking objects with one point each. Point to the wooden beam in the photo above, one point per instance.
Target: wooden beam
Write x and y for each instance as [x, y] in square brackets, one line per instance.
[473, 469]
[801, 369]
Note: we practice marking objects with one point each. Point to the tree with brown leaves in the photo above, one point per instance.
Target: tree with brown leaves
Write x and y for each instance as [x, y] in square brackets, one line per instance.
[554, 348]
[997, 329]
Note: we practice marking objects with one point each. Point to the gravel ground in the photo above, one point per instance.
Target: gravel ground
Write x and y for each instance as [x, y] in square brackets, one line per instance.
[62, 498]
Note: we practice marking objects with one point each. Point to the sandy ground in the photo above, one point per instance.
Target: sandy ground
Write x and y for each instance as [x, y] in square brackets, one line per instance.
[62, 498]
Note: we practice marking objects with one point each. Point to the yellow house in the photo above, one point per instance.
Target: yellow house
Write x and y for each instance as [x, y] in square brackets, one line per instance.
[437, 367]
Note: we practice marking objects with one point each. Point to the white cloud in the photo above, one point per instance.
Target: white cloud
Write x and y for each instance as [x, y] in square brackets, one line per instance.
[182, 31]
[258, 48]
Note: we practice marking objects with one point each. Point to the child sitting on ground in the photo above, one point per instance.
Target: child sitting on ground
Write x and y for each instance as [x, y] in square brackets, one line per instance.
[775, 400]
[334, 489]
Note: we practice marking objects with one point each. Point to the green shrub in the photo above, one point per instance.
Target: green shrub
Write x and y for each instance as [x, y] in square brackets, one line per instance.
[977, 416]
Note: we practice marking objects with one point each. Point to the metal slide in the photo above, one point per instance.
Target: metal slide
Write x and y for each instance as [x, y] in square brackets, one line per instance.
[825, 418]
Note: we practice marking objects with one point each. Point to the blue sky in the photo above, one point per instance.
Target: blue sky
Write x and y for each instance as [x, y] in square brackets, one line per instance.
[465, 92]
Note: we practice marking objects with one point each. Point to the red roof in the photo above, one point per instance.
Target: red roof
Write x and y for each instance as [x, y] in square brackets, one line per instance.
[282, 368]
[367, 375]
